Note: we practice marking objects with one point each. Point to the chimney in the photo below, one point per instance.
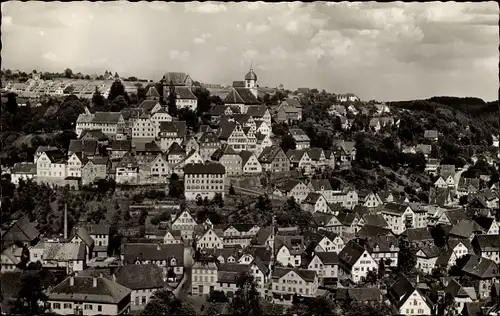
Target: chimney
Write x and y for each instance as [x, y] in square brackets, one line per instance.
[418, 279]
[114, 277]
[65, 222]
[71, 281]
[94, 282]
[158, 247]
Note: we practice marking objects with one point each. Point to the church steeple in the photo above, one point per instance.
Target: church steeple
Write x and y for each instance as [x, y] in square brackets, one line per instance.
[251, 81]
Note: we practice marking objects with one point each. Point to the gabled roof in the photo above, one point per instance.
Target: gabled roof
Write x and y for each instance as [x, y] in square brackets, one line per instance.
[351, 253]
[24, 168]
[22, 230]
[148, 105]
[299, 135]
[177, 78]
[394, 208]
[256, 111]
[152, 92]
[178, 127]
[185, 93]
[382, 243]
[269, 153]
[121, 145]
[229, 272]
[208, 137]
[401, 288]
[176, 149]
[312, 198]
[94, 133]
[465, 228]
[306, 275]
[127, 161]
[148, 147]
[240, 95]
[140, 276]
[368, 231]
[64, 251]
[347, 218]
[321, 184]
[84, 236]
[106, 117]
[83, 290]
[328, 257]
[314, 153]
[295, 155]
[148, 251]
[430, 133]
[488, 242]
[374, 220]
[290, 184]
[245, 156]
[418, 234]
[480, 267]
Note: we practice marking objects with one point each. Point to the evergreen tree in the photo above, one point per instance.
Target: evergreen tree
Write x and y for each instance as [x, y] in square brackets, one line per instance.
[164, 302]
[171, 100]
[246, 299]
[97, 99]
[231, 190]
[406, 256]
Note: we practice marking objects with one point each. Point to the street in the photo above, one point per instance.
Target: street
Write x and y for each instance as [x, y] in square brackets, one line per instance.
[185, 285]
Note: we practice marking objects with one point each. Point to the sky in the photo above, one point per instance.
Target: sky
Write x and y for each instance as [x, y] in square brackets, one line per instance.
[382, 51]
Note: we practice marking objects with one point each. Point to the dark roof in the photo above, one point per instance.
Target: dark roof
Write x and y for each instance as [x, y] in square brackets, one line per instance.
[24, 167]
[312, 198]
[488, 242]
[93, 133]
[314, 153]
[465, 228]
[269, 153]
[394, 208]
[83, 290]
[241, 96]
[321, 184]
[148, 147]
[177, 78]
[480, 267]
[106, 117]
[351, 253]
[140, 276]
[401, 288]
[359, 294]
[121, 145]
[178, 127]
[98, 229]
[251, 75]
[375, 220]
[328, 257]
[83, 234]
[245, 156]
[208, 137]
[418, 234]
[148, 105]
[238, 84]
[383, 243]
[142, 251]
[228, 272]
[206, 168]
[372, 231]
[346, 218]
[185, 93]
[127, 160]
[176, 149]
[22, 230]
[430, 251]
[306, 275]
[217, 109]
[256, 110]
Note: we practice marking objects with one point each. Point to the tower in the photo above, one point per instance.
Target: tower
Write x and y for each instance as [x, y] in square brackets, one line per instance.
[251, 81]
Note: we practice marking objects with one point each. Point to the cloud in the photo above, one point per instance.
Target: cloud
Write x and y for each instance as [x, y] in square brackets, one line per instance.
[256, 28]
[6, 20]
[177, 55]
[206, 7]
[201, 40]
[42, 33]
[50, 56]
[250, 55]
[221, 49]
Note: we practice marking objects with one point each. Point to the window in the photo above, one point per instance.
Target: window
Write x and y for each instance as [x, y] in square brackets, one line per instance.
[57, 306]
[88, 307]
[67, 305]
[99, 308]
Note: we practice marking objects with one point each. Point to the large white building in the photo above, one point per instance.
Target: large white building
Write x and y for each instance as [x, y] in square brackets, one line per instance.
[204, 180]
[110, 123]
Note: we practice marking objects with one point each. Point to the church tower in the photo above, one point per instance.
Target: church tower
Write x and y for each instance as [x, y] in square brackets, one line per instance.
[251, 81]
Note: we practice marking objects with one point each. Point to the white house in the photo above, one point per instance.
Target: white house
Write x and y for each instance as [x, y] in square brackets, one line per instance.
[326, 265]
[286, 282]
[355, 262]
[209, 239]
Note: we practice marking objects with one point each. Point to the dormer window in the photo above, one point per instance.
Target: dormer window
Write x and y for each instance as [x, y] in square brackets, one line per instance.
[173, 262]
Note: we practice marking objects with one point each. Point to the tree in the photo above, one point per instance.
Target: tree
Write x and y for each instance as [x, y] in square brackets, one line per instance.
[68, 73]
[116, 90]
[175, 186]
[172, 99]
[31, 298]
[406, 256]
[218, 200]
[11, 104]
[231, 190]
[141, 93]
[164, 302]
[204, 102]
[116, 75]
[246, 299]
[189, 116]
[118, 104]
[97, 99]
[381, 269]
[337, 123]
[287, 142]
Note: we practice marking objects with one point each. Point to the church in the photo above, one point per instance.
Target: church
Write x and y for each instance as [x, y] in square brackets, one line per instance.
[243, 94]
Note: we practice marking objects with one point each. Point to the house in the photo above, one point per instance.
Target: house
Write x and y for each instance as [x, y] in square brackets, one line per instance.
[21, 231]
[326, 265]
[209, 143]
[431, 135]
[209, 239]
[10, 259]
[441, 196]
[74, 165]
[329, 242]
[408, 299]
[110, 123]
[355, 262]
[289, 250]
[95, 169]
[23, 171]
[322, 186]
[299, 159]
[175, 154]
[383, 248]
[82, 295]
[68, 257]
[465, 229]
[204, 277]
[263, 128]
[80, 235]
[127, 170]
[100, 234]
[249, 163]
[227, 276]
[446, 177]
[424, 149]
[484, 273]
[487, 246]
[185, 223]
[173, 237]
[288, 111]
[369, 199]
[461, 295]
[239, 234]
[432, 166]
[88, 148]
[260, 273]
[143, 279]
[315, 202]
[185, 98]
[191, 144]
[51, 167]
[488, 224]
[427, 256]
[301, 139]
[274, 159]
[204, 180]
[347, 97]
[296, 189]
[382, 108]
[286, 282]
[233, 134]
[172, 132]
[230, 159]
[260, 112]
[152, 94]
[170, 258]
[119, 148]
[419, 236]
[160, 168]
[467, 186]
[401, 216]
[144, 130]
[326, 221]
